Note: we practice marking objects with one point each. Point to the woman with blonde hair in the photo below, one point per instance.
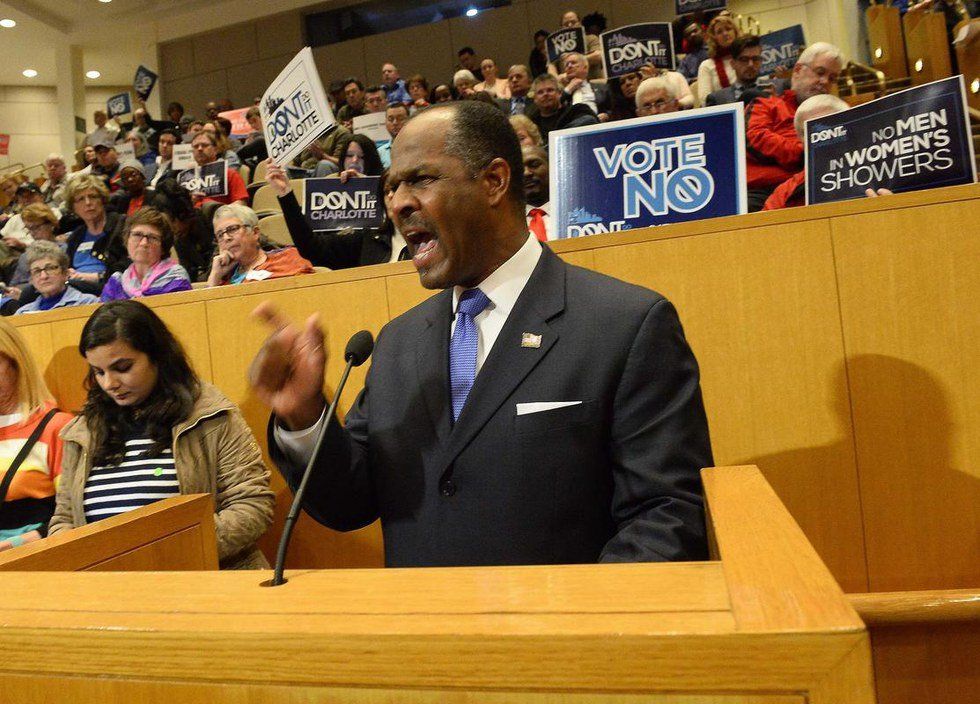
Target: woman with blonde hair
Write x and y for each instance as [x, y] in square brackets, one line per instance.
[30, 449]
[528, 133]
[718, 70]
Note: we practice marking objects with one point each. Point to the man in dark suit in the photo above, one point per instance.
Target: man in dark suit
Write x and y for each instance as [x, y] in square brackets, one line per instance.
[532, 412]
[520, 101]
[747, 59]
[578, 89]
[552, 113]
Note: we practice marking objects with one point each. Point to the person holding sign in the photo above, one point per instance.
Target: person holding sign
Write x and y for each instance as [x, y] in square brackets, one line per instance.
[593, 47]
[240, 256]
[718, 70]
[532, 412]
[205, 147]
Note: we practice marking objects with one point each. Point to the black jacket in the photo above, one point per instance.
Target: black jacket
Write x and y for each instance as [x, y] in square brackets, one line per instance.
[109, 249]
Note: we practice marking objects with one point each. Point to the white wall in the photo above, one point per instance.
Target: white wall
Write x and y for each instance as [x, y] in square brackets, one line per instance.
[30, 117]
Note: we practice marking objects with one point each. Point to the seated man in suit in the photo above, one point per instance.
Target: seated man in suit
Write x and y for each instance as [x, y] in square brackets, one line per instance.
[747, 60]
[579, 89]
[520, 101]
[533, 412]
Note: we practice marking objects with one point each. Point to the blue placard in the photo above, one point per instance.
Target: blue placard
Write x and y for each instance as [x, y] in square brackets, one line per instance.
[211, 180]
[332, 205]
[685, 7]
[143, 82]
[781, 48]
[564, 41]
[648, 171]
[908, 141]
[625, 49]
[118, 105]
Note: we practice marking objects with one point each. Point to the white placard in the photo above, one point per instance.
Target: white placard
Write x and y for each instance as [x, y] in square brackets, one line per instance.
[125, 151]
[295, 111]
[372, 125]
[183, 157]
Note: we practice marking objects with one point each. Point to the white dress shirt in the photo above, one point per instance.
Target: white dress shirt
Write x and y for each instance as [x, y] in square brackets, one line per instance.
[503, 287]
[549, 231]
[586, 95]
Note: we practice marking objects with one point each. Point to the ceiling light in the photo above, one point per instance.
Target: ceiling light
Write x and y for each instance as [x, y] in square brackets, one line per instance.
[7, 23]
[93, 74]
[105, 1]
[30, 73]
[471, 12]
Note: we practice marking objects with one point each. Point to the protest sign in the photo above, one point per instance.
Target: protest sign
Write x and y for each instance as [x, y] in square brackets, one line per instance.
[646, 171]
[239, 125]
[907, 141]
[781, 48]
[684, 7]
[125, 150]
[143, 82]
[211, 180]
[294, 109]
[118, 105]
[4, 144]
[625, 49]
[183, 157]
[564, 41]
[332, 205]
[372, 125]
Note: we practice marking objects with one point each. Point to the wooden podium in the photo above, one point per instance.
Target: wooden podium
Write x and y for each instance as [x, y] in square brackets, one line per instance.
[927, 47]
[886, 43]
[173, 534]
[764, 624]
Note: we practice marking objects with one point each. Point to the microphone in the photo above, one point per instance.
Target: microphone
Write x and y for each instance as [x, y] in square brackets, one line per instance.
[358, 349]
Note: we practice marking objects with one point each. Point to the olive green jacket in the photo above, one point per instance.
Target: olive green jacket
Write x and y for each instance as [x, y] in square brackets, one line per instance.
[214, 453]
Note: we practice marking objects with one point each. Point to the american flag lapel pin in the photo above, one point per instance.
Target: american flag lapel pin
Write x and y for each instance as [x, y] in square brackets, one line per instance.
[529, 339]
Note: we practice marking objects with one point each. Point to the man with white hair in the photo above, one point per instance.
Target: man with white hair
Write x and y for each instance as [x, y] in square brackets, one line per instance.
[792, 192]
[774, 152]
[656, 96]
[578, 88]
[54, 187]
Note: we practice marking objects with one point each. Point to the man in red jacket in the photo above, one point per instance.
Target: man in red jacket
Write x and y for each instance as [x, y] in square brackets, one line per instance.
[774, 152]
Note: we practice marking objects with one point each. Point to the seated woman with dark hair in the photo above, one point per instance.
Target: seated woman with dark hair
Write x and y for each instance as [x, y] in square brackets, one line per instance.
[193, 236]
[26, 408]
[148, 413]
[241, 257]
[149, 239]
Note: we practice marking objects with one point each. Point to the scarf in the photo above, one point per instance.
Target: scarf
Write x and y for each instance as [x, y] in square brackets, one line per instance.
[722, 71]
[135, 288]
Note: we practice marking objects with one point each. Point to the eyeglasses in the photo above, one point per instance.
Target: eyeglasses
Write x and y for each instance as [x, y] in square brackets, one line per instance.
[47, 269]
[151, 239]
[750, 60]
[230, 231]
[658, 105]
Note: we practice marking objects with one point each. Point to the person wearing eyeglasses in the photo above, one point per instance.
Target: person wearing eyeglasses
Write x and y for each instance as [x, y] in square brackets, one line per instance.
[149, 239]
[95, 248]
[747, 58]
[773, 150]
[41, 222]
[48, 267]
[241, 257]
[656, 96]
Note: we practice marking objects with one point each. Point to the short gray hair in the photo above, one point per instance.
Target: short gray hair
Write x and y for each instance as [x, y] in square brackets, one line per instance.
[825, 104]
[567, 55]
[652, 84]
[818, 49]
[54, 157]
[240, 212]
[42, 249]
[463, 75]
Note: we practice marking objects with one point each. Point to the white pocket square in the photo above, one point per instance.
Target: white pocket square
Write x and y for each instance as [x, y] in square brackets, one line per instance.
[524, 409]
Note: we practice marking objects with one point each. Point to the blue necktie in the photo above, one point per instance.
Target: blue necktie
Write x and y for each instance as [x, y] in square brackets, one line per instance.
[462, 348]
[517, 106]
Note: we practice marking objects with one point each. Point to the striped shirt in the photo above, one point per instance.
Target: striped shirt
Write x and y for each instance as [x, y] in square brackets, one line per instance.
[136, 481]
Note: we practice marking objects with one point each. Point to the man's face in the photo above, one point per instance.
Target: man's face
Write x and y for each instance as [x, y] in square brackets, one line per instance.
[166, 146]
[628, 84]
[211, 110]
[354, 95]
[107, 157]
[694, 36]
[55, 169]
[438, 206]
[442, 94]
[535, 175]
[575, 67]
[175, 113]
[570, 19]
[255, 122]
[99, 117]
[816, 77]
[547, 98]
[389, 74]
[139, 117]
[656, 102]
[519, 81]
[748, 63]
[195, 129]
[204, 151]
[375, 102]
[468, 61]
[395, 119]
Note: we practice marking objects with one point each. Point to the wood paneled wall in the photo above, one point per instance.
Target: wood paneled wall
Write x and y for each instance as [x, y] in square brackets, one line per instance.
[839, 347]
